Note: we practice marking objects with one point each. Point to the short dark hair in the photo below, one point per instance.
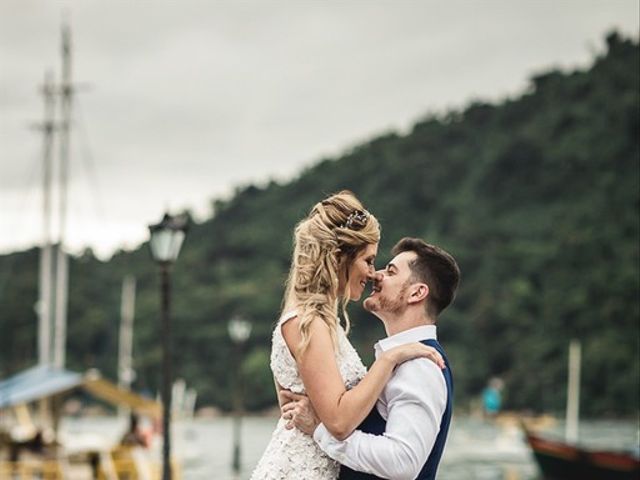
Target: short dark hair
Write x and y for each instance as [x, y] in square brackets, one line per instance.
[435, 267]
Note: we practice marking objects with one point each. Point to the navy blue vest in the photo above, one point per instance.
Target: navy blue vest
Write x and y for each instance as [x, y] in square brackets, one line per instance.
[375, 424]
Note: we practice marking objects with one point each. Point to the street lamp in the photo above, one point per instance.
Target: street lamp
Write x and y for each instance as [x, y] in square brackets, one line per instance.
[166, 240]
[239, 331]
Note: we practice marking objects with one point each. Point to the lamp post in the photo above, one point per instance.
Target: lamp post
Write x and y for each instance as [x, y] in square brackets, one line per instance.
[239, 331]
[166, 240]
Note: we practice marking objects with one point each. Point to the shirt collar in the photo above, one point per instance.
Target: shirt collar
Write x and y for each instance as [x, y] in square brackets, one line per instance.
[423, 332]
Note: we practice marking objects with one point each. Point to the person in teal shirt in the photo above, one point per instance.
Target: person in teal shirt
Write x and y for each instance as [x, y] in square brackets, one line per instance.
[492, 397]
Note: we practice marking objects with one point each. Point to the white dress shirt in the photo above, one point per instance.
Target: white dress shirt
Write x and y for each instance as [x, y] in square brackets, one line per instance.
[412, 403]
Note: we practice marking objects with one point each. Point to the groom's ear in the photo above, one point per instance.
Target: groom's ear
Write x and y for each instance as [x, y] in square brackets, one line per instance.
[418, 292]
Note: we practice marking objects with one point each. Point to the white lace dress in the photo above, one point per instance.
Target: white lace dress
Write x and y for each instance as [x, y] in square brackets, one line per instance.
[291, 454]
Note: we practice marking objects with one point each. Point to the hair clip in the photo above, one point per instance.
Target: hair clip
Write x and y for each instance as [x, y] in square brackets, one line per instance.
[359, 216]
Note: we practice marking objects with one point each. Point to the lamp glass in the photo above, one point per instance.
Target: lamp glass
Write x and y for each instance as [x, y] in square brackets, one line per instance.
[166, 241]
[239, 330]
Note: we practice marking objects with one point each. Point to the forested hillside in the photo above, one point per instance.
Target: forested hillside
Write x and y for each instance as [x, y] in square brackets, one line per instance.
[537, 197]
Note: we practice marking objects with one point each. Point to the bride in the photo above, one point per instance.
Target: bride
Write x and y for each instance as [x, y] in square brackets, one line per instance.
[334, 251]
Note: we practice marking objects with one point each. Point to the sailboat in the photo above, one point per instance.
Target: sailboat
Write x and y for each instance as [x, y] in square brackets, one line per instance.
[560, 460]
[34, 448]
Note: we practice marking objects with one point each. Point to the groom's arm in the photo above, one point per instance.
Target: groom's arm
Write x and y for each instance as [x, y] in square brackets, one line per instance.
[416, 396]
[281, 393]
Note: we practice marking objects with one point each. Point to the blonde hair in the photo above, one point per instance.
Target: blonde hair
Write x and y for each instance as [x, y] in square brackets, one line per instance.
[326, 243]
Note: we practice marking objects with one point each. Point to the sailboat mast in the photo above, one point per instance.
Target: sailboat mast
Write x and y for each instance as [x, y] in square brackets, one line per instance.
[46, 267]
[573, 392]
[125, 344]
[62, 267]
[125, 350]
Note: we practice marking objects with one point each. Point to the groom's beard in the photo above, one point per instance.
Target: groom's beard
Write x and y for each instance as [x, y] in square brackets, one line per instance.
[395, 306]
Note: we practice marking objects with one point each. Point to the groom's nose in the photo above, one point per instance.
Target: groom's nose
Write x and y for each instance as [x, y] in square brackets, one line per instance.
[377, 276]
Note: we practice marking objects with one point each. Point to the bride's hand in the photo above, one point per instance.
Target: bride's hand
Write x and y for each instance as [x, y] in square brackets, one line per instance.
[409, 351]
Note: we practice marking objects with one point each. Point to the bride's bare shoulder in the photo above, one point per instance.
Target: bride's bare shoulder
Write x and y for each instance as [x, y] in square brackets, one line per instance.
[318, 331]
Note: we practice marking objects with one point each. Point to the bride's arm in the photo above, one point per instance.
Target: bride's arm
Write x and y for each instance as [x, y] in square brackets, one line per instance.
[341, 410]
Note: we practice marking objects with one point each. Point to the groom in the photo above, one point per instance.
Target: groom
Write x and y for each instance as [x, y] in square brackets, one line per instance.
[404, 435]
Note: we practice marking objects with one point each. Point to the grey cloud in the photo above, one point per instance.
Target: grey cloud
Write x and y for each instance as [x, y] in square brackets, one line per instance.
[191, 98]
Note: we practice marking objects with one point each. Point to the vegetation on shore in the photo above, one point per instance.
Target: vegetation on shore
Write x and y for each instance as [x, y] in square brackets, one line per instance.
[537, 197]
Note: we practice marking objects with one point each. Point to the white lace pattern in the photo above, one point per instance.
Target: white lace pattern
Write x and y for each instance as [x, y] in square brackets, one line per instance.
[291, 454]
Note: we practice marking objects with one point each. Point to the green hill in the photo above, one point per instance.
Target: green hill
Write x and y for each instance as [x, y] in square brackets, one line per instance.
[537, 197]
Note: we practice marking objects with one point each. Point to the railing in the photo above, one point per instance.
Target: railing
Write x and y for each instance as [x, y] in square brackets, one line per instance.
[122, 463]
[32, 470]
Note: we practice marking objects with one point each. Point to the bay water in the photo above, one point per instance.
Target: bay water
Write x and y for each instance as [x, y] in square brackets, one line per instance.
[476, 449]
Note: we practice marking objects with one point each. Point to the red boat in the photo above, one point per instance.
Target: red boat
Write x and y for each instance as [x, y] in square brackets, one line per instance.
[561, 461]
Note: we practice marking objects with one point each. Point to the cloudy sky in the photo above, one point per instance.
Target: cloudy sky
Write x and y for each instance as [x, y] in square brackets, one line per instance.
[182, 101]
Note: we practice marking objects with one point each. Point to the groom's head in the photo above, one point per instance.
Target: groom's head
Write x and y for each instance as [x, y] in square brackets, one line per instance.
[421, 277]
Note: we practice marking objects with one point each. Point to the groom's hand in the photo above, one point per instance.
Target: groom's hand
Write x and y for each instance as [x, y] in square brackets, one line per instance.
[285, 396]
[299, 413]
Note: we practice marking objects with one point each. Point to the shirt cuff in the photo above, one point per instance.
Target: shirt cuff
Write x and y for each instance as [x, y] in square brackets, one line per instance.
[321, 433]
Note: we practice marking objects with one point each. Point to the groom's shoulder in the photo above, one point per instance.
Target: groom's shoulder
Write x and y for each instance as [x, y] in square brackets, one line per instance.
[418, 381]
[419, 369]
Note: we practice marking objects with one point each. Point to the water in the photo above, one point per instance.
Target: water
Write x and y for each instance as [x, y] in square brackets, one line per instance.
[476, 450]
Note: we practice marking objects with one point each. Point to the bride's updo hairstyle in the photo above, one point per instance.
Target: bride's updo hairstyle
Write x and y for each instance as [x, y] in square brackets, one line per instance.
[325, 244]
